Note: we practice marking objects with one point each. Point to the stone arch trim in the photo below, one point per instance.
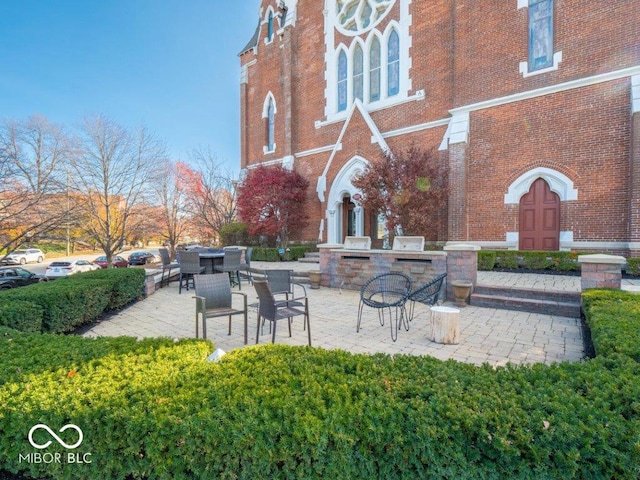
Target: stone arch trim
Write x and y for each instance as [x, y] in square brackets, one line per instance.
[265, 105]
[558, 181]
[340, 187]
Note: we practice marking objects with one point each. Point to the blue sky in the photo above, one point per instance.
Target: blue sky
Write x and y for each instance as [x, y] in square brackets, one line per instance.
[170, 64]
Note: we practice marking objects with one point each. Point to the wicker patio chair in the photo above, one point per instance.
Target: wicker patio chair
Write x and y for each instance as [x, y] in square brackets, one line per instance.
[167, 266]
[384, 292]
[231, 264]
[214, 298]
[427, 294]
[189, 268]
[246, 265]
[274, 310]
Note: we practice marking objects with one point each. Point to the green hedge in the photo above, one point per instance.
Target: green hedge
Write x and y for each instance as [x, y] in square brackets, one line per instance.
[534, 260]
[64, 304]
[156, 409]
[22, 315]
[633, 266]
[271, 254]
[614, 319]
[126, 284]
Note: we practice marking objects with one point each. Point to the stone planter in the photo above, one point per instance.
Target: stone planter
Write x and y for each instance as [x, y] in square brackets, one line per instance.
[461, 291]
[314, 277]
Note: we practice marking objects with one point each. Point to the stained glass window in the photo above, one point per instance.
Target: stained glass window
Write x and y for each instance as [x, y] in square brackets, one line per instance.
[270, 27]
[540, 34]
[393, 64]
[374, 70]
[271, 125]
[342, 81]
[358, 74]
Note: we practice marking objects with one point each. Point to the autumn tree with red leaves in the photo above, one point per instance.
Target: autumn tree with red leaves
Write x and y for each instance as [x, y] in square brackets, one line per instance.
[411, 189]
[271, 201]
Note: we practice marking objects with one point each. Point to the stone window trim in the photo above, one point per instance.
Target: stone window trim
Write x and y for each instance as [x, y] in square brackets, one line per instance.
[558, 182]
[523, 67]
[269, 110]
[269, 22]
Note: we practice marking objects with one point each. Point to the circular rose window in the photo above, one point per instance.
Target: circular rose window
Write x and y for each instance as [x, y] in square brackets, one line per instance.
[357, 16]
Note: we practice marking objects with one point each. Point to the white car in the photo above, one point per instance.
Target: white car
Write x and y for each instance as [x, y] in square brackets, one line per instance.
[23, 256]
[64, 268]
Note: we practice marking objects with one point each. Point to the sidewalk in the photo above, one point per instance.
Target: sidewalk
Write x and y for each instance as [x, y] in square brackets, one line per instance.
[486, 335]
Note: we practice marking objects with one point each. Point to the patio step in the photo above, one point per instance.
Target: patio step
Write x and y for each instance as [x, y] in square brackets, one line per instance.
[548, 302]
[310, 257]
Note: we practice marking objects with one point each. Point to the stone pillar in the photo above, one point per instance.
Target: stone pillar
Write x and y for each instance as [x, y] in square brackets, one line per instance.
[327, 262]
[462, 265]
[149, 282]
[634, 170]
[601, 271]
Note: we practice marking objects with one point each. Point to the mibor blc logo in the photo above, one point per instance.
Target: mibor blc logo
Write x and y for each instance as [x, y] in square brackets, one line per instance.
[56, 457]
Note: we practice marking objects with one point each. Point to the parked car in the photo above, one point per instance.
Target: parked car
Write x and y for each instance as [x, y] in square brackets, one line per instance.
[24, 256]
[12, 277]
[64, 268]
[116, 262]
[142, 258]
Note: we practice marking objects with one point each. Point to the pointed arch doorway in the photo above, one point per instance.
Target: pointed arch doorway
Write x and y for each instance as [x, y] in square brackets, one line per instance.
[344, 216]
[539, 216]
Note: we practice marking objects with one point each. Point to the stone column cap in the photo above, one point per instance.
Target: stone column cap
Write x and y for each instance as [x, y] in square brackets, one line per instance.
[461, 247]
[602, 258]
[330, 245]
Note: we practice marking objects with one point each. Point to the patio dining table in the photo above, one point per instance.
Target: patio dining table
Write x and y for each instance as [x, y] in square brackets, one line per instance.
[210, 259]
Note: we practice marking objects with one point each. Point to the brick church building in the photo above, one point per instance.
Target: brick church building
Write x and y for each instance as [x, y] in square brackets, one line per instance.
[533, 104]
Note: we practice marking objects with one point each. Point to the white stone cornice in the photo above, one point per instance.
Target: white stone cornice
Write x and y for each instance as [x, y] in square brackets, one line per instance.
[551, 89]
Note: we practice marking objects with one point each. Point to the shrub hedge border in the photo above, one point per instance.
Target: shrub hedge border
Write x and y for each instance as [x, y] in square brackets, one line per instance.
[157, 409]
[62, 305]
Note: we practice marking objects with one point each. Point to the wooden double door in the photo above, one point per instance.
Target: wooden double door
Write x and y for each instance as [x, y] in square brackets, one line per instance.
[540, 218]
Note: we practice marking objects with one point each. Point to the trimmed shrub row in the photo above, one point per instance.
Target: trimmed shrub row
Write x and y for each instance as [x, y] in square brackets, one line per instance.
[272, 255]
[156, 409]
[533, 260]
[614, 319]
[64, 304]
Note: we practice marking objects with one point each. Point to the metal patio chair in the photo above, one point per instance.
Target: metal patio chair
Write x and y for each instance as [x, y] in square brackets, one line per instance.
[231, 264]
[426, 294]
[273, 310]
[167, 266]
[246, 265]
[384, 292]
[214, 298]
[189, 268]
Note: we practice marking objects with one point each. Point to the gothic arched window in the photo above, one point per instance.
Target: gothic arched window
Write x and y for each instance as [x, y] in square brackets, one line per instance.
[358, 74]
[374, 70]
[271, 126]
[393, 64]
[342, 81]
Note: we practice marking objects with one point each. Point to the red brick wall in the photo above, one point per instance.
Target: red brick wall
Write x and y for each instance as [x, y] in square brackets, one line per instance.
[464, 52]
[583, 133]
[491, 41]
